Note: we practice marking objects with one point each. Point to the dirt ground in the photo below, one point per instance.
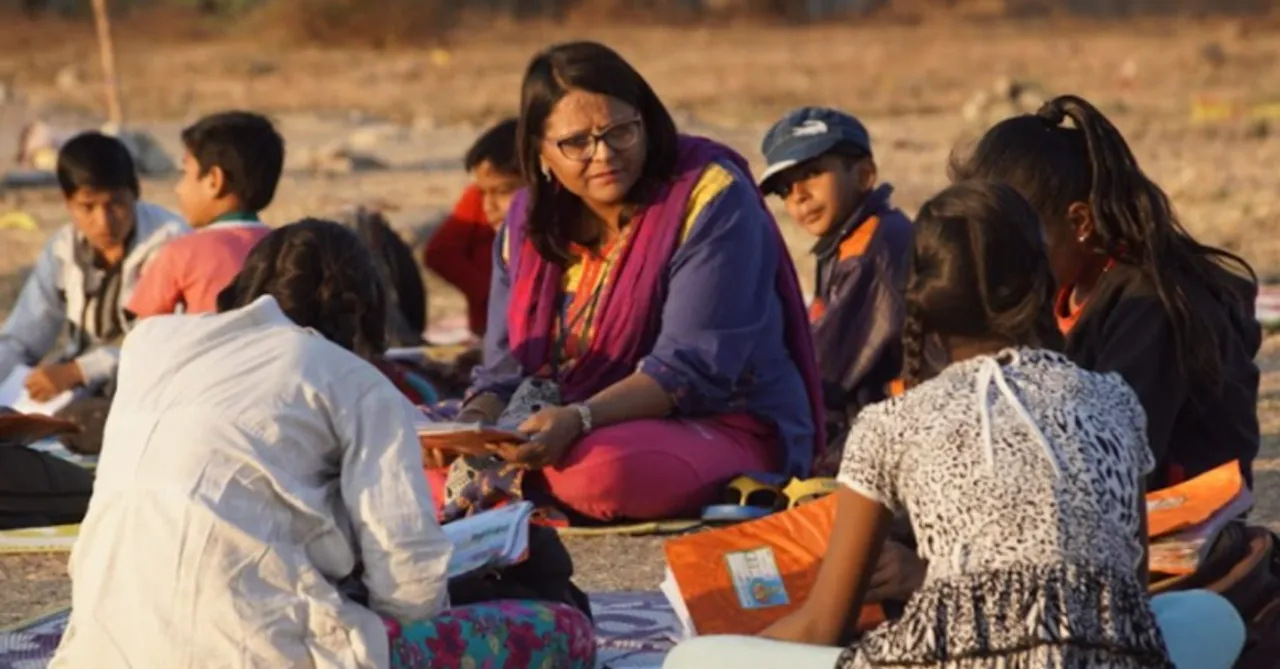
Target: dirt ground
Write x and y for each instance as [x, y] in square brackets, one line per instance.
[416, 110]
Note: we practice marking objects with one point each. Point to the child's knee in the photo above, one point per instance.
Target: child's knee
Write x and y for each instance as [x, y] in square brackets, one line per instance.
[1201, 629]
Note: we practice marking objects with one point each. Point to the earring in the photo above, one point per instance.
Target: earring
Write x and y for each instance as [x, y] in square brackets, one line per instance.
[546, 172]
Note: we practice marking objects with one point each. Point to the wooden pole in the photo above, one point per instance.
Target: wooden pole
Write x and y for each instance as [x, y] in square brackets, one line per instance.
[107, 52]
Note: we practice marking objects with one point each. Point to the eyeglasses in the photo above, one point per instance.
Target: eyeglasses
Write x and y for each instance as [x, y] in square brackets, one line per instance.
[582, 146]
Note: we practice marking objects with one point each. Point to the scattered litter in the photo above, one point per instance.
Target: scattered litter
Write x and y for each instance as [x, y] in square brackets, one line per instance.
[341, 159]
[1213, 55]
[149, 158]
[1006, 97]
[440, 57]
[68, 79]
[39, 143]
[18, 220]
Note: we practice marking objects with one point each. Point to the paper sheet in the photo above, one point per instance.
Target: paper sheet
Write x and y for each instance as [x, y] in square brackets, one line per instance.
[13, 394]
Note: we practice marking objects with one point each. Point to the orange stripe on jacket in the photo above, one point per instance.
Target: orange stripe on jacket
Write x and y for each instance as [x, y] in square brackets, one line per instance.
[856, 244]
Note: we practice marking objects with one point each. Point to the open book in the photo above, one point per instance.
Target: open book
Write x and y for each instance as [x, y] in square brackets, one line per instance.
[489, 540]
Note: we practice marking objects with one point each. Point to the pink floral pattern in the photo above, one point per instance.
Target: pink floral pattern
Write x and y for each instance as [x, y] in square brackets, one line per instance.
[498, 635]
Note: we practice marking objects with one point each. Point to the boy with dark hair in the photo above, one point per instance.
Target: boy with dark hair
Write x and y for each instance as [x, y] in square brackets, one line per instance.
[230, 172]
[461, 252]
[821, 165]
[87, 272]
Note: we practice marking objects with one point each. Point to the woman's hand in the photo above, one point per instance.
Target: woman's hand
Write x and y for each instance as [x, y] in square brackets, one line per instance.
[551, 432]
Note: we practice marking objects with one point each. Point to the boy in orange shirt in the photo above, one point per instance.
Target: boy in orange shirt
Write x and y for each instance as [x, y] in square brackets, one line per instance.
[230, 172]
[461, 252]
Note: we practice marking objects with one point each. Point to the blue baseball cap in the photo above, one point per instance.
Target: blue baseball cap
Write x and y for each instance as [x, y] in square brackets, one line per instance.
[806, 133]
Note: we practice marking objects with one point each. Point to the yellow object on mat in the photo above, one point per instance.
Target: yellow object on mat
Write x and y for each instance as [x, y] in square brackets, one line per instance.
[632, 530]
[58, 539]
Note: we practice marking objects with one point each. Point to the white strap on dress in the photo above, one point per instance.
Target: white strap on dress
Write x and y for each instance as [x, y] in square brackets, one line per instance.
[990, 371]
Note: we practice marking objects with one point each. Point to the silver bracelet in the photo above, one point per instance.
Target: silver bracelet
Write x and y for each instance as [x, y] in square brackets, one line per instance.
[584, 416]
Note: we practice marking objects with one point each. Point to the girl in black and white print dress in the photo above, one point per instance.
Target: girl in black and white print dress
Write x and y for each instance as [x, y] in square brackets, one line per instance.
[1022, 475]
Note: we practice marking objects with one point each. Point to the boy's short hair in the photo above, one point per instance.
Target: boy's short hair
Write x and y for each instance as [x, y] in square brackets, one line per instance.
[248, 150]
[98, 162]
[497, 146]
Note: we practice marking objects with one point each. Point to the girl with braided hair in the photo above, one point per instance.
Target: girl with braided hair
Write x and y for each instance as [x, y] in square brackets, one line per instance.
[1023, 477]
[254, 465]
[1137, 294]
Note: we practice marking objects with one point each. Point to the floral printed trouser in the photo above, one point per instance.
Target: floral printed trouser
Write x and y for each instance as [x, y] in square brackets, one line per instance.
[497, 635]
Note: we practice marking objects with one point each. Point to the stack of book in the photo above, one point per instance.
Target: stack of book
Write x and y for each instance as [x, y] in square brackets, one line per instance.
[1185, 520]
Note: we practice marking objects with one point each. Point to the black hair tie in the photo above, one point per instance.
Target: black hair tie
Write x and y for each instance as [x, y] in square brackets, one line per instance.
[1052, 113]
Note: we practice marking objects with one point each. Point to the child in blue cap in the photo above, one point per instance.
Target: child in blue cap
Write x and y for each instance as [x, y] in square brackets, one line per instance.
[820, 164]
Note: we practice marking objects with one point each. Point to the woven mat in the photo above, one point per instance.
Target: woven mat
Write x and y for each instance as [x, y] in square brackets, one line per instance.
[634, 630]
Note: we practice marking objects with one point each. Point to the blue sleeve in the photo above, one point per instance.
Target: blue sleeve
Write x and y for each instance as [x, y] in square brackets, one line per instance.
[858, 330]
[38, 316]
[500, 373]
[718, 302]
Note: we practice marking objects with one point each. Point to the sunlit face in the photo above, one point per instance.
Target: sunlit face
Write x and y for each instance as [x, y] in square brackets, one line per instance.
[594, 146]
[198, 194]
[496, 190]
[103, 217]
[821, 193]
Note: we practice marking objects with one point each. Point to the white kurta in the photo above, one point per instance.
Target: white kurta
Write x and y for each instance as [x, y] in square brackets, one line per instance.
[247, 465]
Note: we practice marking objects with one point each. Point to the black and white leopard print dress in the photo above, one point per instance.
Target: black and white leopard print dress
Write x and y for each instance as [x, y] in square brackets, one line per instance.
[1021, 476]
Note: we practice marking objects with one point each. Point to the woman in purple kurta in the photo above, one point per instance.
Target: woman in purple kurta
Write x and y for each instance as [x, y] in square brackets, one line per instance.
[642, 277]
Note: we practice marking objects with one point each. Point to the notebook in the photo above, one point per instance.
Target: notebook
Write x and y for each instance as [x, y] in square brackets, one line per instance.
[492, 539]
[1193, 502]
[740, 579]
[1185, 520]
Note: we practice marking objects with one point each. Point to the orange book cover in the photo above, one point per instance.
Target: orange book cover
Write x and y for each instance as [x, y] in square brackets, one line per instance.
[740, 579]
[1192, 502]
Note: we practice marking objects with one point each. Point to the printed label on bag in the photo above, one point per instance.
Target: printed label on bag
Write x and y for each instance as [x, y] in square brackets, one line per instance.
[756, 579]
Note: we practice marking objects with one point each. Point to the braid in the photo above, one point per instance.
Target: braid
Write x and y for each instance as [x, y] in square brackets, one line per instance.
[913, 341]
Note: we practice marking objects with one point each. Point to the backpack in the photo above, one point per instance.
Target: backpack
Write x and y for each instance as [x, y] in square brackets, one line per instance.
[402, 284]
[1244, 567]
[38, 489]
[543, 576]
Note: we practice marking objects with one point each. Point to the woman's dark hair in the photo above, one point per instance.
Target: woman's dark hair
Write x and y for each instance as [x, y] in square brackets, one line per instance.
[323, 277]
[978, 269]
[98, 162]
[593, 68]
[1054, 166]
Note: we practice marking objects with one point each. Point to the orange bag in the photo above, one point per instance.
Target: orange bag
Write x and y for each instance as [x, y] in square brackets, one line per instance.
[741, 579]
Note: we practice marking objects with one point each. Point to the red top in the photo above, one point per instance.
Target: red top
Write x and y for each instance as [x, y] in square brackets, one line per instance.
[461, 252]
[1066, 315]
[190, 271]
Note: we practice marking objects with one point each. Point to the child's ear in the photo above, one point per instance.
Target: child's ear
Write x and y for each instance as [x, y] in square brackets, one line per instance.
[1080, 218]
[866, 174]
[216, 180]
